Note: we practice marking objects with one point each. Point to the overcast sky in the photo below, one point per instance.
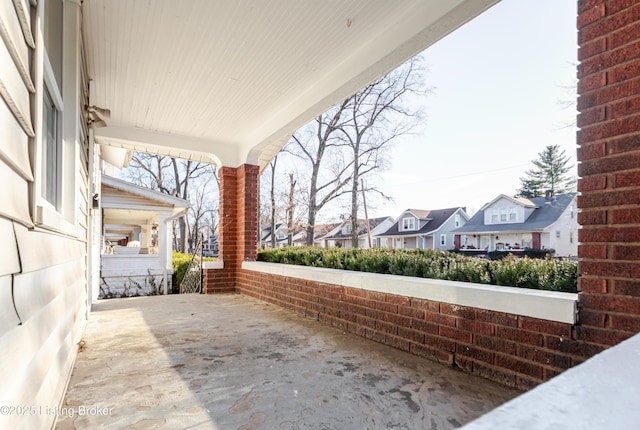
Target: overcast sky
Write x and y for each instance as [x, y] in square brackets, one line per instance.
[502, 84]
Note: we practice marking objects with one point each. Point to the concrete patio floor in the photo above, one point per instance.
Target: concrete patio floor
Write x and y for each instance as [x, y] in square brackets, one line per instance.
[232, 362]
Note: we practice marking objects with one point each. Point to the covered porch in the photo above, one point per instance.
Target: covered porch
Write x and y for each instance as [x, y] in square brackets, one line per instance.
[230, 361]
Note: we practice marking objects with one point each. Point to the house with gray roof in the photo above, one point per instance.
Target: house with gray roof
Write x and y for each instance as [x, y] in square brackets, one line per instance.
[425, 229]
[515, 223]
[341, 236]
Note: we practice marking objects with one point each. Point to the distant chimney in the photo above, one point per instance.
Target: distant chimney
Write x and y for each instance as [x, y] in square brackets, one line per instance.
[548, 196]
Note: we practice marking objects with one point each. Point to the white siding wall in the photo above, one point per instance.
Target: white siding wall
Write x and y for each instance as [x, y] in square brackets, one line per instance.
[43, 274]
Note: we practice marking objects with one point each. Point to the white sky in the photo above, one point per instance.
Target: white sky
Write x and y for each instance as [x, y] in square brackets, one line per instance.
[502, 83]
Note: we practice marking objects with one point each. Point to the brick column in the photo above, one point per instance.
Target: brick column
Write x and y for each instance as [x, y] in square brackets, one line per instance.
[609, 156]
[238, 225]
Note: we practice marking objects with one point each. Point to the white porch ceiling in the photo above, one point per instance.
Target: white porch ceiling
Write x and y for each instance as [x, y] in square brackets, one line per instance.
[230, 81]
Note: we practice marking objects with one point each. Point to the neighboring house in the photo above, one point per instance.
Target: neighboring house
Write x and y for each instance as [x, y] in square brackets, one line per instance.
[281, 235]
[425, 229]
[341, 236]
[133, 215]
[515, 223]
[321, 234]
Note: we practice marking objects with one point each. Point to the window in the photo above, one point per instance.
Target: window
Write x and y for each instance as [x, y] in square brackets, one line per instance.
[408, 223]
[503, 214]
[557, 234]
[443, 240]
[513, 215]
[494, 215]
[457, 220]
[51, 150]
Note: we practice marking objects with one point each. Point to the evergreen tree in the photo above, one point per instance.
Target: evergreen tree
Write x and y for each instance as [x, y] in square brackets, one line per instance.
[551, 172]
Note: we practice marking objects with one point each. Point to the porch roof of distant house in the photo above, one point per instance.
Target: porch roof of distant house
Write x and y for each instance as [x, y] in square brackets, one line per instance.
[435, 218]
[543, 216]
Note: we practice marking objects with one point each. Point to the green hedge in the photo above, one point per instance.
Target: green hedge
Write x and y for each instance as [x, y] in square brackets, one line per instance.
[547, 274]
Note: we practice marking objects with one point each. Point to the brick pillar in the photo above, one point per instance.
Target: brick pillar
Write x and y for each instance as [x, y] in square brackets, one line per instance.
[238, 225]
[609, 156]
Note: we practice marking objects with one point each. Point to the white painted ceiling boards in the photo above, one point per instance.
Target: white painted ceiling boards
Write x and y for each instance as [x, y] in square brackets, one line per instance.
[229, 81]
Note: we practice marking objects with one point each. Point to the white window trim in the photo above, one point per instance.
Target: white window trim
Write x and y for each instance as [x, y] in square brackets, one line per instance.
[45, 214]
[410, 223]
[443, 240]
[457, 220]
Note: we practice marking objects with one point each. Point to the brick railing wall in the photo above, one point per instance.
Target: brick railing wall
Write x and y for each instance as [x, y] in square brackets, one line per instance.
[511, 349]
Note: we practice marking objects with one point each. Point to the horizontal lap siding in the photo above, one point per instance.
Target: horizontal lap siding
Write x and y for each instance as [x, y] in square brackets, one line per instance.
[43, 277]
[513, 350]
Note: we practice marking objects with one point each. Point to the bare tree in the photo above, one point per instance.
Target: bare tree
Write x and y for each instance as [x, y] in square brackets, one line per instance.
[290, 209]
[376, 116]
[313, 144]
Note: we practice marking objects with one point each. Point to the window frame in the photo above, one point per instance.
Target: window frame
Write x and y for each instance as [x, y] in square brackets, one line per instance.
[408, 223]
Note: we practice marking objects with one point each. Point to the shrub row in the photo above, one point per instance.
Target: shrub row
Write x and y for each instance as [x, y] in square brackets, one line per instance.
[547, 274]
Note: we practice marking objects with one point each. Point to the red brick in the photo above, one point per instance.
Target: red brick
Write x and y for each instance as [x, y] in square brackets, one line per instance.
[627, 179]
[424, 326]
[592, 251]
[544, 326]
[592, 183]
[592, 217]
[592, 48]
[625, 216]
[356, 329]
[427, 305]
[610, 303]
[458, 311]
[411, 312]
[542, 356]
[398, 300]
[594, 150]
[483, 328]
[412, 335]
[622, 145]
[520, 336]
[592, 285]
[609, 234]
[622, 108]
[629, 323]
[375, 335]
[386, 327]
[501, 376]
[620, 252]
[425, 351]
[609, 129]
[440, 343]
[441, 319]
[455, 334]
[591, 15]
[526, 383]
[387, 307]
[499, 318]
[593, 318]
[399, 320]
[479, 354]
[592, 116]
[495, 344]
[610, 269]
[591, 82]
[625, 287]
[398, 343]
[519, 366]
[599, 336]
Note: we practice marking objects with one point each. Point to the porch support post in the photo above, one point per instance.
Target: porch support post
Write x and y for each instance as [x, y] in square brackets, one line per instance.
[609, 156]
[238, 227]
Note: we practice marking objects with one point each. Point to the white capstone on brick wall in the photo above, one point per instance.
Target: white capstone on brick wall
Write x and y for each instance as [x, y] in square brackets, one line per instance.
[547, 305]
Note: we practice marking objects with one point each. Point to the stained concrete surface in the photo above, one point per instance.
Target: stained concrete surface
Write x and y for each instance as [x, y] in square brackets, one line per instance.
[232, 362]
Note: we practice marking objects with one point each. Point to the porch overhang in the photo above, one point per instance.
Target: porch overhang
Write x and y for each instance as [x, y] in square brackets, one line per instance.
[229, 82]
